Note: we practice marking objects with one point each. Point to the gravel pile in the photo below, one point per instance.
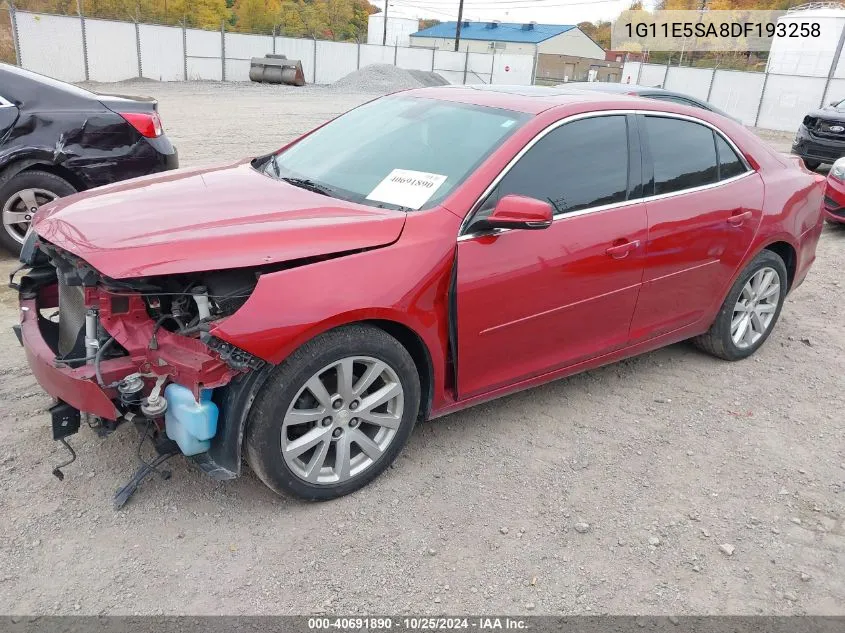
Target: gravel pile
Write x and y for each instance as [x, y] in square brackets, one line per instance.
[384, 78]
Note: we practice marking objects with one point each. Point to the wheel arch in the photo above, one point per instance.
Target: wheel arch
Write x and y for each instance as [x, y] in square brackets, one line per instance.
[416, 347]
[224, 460]
[788, 253]
[38, 164]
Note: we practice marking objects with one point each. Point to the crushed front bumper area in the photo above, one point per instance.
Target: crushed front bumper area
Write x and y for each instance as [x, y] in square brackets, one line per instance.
[151, 354]
[76, 386]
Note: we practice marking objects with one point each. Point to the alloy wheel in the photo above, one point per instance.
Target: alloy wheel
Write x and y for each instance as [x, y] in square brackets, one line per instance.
[342, 420]
[755, 308]
[21, 207]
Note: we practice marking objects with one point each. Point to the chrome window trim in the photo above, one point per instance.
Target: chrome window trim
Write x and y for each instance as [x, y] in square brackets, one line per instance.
[588, 115]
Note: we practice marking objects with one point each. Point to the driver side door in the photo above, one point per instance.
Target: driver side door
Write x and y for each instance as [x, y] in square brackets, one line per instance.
[531, 302]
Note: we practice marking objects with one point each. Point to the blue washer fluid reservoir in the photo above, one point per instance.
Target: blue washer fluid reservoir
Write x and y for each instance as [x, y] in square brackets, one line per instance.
[189, 423]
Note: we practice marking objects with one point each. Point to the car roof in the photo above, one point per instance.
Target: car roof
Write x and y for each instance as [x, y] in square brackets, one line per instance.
[607, 86]
[25, 86]
[526, 99]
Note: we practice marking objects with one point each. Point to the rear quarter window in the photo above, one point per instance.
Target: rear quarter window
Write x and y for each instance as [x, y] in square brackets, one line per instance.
[730, 164]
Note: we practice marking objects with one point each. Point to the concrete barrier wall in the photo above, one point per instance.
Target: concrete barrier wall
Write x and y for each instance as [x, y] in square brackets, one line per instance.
[768, 100]
[109, 50]
[162, 55]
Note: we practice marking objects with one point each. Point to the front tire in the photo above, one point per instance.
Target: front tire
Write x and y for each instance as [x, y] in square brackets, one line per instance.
[812, 165]
[334, 414]
[750, 311]
[20, 197]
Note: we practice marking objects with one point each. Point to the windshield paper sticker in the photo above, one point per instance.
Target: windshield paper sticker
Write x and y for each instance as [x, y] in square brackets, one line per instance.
[407, 188]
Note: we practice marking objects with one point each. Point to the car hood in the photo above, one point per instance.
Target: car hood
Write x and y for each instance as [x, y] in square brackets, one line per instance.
[828, 112]
[208, 219]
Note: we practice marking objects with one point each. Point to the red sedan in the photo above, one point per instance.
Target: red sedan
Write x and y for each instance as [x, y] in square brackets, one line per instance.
[834, 194]
[423, 253]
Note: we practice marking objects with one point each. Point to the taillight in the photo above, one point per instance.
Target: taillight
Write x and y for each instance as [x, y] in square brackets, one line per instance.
[147, 123]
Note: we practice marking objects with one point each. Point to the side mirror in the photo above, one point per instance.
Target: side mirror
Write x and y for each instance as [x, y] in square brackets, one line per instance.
[519, 212]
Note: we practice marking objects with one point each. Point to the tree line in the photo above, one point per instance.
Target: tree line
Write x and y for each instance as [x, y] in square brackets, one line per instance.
[600, 32]
[322, 19]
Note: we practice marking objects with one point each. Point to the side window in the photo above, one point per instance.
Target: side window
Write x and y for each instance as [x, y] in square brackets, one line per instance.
[683, 154]
[730, 164]
[579, 165]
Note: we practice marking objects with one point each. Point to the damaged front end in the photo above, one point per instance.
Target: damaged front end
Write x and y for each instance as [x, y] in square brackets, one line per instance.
[138, 350]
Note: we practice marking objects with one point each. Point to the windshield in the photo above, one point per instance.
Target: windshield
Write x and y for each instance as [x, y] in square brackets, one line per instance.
[396, 152]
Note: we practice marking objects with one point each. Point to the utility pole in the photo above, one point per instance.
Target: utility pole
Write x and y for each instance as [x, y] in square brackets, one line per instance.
[384, 37]
[458, 27]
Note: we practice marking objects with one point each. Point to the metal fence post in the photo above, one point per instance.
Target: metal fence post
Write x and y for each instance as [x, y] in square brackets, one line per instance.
[84, 40]
[395, 53]
[15, 36]
[493, 67]
[185, 49]
[358, 61]
[533, 68]
[712, 81]
[466, 65]
[315, 60]
[223, 50]
[433, 51]
[665, 75]
[762, 96]
[833, 63]
[274, 39]
[138, 47]
[640, 70]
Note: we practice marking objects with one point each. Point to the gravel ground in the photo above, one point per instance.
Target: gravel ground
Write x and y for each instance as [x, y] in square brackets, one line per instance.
[672, 483]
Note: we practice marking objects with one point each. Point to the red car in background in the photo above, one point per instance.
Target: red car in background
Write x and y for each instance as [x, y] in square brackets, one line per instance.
[423, 253]
[834, 194]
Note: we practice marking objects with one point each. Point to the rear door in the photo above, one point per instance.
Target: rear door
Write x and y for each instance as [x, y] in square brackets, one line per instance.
[530, 302]
[703, 212]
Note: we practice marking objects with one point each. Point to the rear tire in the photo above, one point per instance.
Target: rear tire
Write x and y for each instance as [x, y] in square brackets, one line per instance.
[19, 195]
[306, 402]
[749, 312]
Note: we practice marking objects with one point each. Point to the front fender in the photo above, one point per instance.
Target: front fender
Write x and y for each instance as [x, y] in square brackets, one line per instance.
[406, 282]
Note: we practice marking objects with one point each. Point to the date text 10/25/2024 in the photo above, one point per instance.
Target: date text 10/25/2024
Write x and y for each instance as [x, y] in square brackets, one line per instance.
[423, 623]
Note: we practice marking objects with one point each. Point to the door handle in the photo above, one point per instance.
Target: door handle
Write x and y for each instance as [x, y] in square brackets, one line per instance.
[739, 217]
[620, 251]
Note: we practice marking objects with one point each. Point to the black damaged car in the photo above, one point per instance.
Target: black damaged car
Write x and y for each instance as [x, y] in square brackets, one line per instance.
[57, 139]
[821, 135]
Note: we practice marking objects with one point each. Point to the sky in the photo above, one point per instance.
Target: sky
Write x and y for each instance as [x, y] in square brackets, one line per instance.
[543, 11]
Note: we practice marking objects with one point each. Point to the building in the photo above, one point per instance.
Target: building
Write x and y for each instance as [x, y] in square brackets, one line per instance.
[557, 69]
[624, 56]
[399, 30]
[511, 38]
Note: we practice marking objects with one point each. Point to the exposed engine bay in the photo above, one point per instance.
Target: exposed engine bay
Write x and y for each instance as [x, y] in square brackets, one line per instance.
[132, 350]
